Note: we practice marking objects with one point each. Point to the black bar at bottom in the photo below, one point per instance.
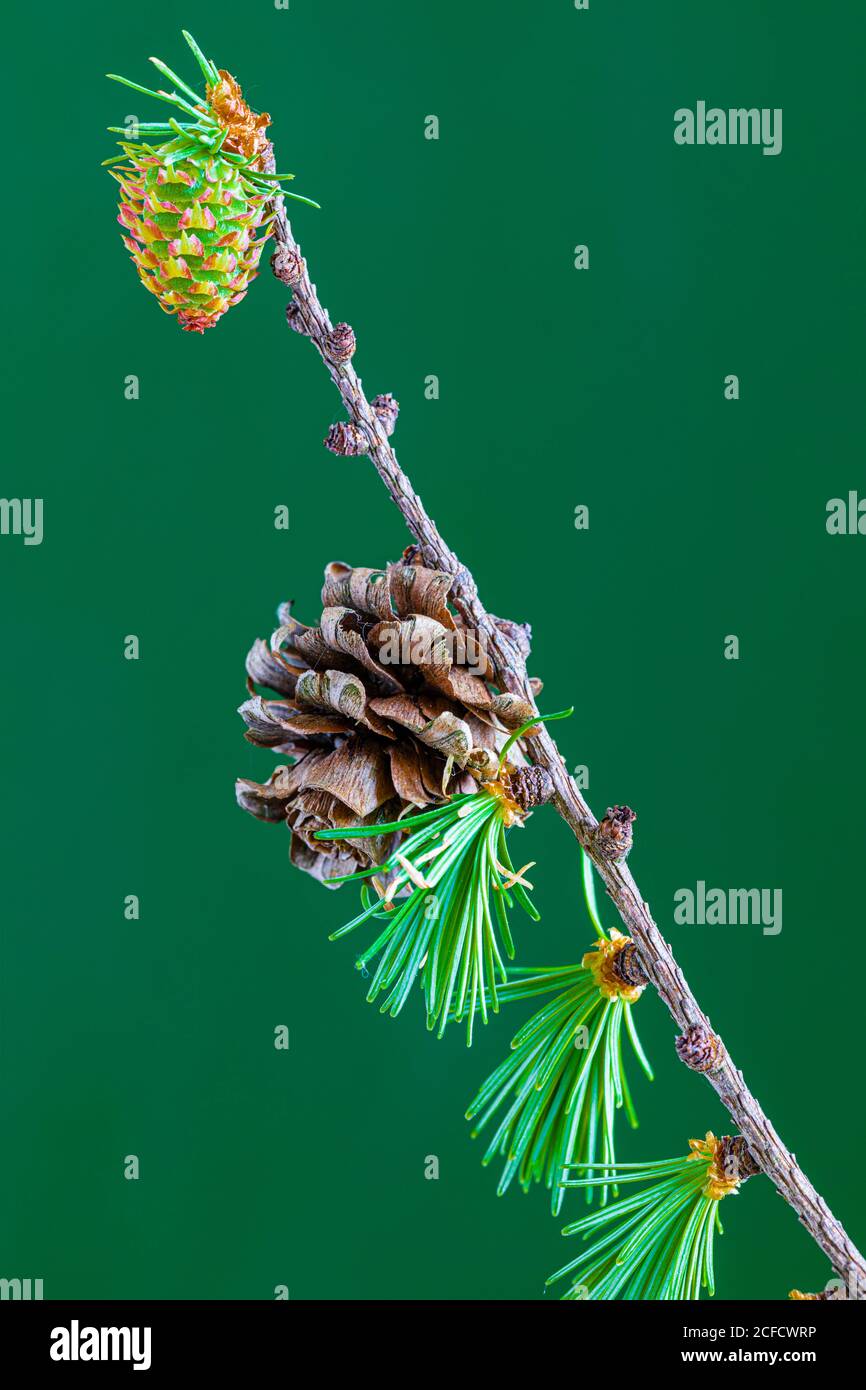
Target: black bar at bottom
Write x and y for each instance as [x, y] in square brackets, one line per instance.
[155, 1338]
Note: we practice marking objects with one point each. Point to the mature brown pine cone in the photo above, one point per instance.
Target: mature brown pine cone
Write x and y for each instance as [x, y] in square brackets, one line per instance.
[371, 705]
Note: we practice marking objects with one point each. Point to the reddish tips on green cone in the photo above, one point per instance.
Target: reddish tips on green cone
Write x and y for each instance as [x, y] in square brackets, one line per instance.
[197, 209]
[191, 232]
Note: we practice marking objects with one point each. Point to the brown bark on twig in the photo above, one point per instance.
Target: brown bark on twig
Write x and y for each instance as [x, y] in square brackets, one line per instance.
[508, 656]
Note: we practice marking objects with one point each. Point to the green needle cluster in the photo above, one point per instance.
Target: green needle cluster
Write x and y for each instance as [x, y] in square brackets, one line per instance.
[657, 1244]
[454, 863]
[556, 1094]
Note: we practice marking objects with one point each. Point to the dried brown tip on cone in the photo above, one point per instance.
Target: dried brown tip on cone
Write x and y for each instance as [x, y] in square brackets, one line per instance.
[340, 343]
[735, 1159]
[700, 1049]
[612, 837]
[529, 786]
[245, 128]
[628, 967]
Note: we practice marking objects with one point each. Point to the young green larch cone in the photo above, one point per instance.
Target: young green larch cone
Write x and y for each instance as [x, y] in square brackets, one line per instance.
[192, 204]
[385, 708]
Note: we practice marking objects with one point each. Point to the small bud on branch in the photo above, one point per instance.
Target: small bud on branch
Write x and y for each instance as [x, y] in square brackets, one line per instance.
[613, 836]
[529, 786]
[387, 409]
[287, 263]
[735, 1159]
[700, 1049]
[340, 343]
[628, 966]
[347, 439]
[293, 317]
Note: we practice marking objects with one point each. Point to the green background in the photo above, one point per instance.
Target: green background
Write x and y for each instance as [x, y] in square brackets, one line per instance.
[558, 387]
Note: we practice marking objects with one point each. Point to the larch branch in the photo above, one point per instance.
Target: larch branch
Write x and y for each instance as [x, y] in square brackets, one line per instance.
[780, 1165]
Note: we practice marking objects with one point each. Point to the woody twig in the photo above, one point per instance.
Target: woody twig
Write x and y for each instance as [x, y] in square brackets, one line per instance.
[367, 431]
